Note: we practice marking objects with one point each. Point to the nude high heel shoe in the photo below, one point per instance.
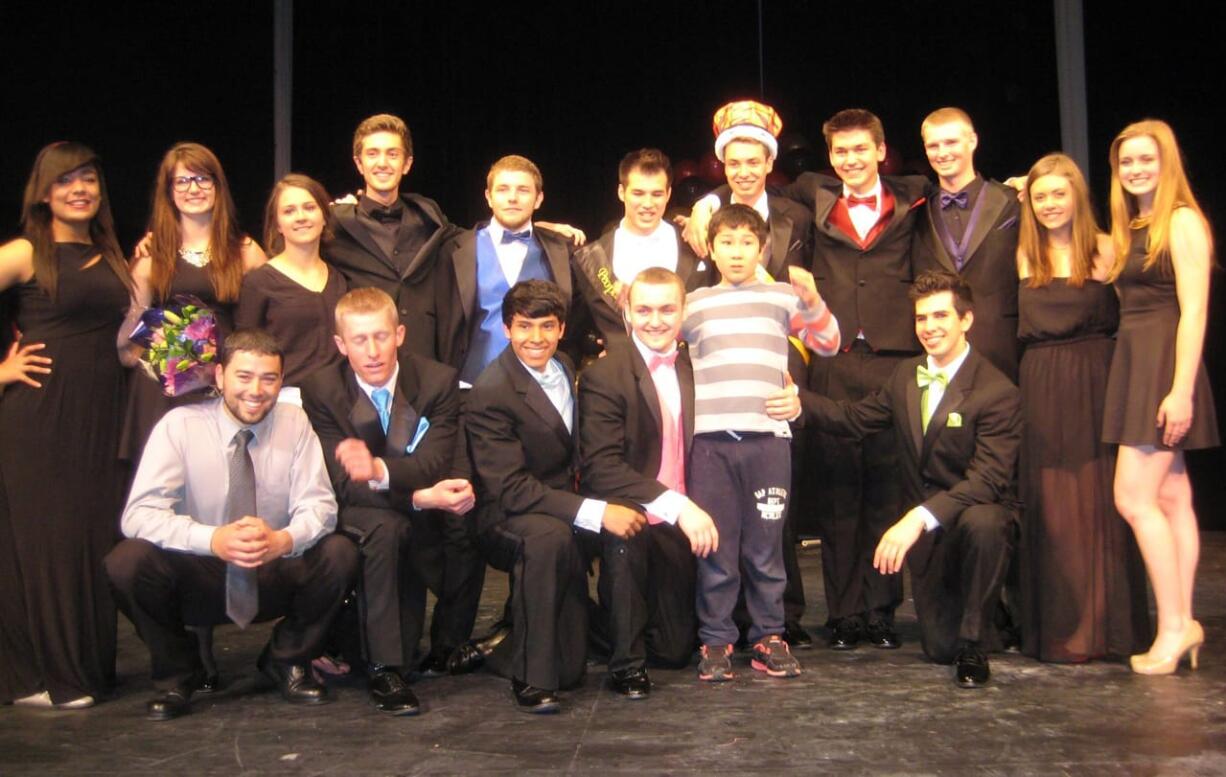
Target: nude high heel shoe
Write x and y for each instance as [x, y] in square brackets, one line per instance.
[1193, 638]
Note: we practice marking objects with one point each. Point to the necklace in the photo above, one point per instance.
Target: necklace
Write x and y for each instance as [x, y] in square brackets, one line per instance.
[196, 258]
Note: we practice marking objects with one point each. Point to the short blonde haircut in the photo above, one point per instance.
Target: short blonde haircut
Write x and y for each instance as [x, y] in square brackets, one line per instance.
[516, 164]
[946, 116]
[365, 300]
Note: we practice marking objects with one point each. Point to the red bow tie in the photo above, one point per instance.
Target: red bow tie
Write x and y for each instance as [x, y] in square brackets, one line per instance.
[853, 200]
[658, 361]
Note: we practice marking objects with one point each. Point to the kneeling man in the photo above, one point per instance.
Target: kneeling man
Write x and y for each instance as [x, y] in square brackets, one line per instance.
[230, 519]
[956, 420]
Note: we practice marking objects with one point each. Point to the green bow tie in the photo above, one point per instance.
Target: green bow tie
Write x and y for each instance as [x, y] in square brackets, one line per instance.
[925, 378]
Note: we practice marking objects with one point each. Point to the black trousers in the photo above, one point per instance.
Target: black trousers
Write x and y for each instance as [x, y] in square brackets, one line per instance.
[859, 496]
[162, 591]
[957, 573]
[547, 646]
[646, 592]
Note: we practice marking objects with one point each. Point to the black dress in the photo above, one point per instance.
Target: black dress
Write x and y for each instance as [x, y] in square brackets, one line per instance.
[300, 319]
[61, 486]
[146, 404]
[1083, 582]
[1144, 363]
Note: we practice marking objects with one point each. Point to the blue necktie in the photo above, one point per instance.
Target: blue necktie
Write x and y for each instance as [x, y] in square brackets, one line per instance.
[383, 403]
[512, 237]
[961, 199]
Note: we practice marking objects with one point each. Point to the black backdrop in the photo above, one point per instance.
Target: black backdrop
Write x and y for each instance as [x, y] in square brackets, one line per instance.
[575, 85]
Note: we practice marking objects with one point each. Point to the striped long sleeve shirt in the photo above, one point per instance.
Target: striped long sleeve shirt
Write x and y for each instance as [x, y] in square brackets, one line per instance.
[738, 337]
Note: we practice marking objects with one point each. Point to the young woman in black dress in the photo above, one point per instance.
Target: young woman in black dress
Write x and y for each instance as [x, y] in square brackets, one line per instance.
[67, 288]
[1083, 591]
[1158, 399]
[195, 247]
[294, 295]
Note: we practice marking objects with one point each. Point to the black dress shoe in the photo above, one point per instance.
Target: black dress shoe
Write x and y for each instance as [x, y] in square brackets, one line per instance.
[295, 681]
[210, 684]
[845, 635]
[631, 683]
[433, 665]
[391, 695]
[536, 700]
[882, 635]
[971, 668]
[176, 702]
[796, 637]
[471, 656]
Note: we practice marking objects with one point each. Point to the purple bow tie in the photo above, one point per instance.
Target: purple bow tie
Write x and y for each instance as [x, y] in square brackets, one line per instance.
[961, 199]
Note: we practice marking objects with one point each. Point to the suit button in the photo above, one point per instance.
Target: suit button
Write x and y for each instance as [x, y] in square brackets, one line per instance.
[404, 312]
[862, 283]
[396, 252]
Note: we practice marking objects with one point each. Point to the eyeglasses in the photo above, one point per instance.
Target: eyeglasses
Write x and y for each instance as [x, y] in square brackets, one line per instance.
[184, 182]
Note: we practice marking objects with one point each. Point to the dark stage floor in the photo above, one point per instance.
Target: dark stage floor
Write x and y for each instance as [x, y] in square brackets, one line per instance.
[864, 712]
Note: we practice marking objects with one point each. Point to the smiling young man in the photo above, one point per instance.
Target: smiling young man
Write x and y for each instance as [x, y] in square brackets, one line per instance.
[971, 229]
[230, 518]
[521, 425]
[957, 422]
[390, 239]
[478, 266]
[388, 425]
[642, 239]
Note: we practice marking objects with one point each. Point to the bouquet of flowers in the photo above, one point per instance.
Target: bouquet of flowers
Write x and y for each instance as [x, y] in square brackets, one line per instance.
[180, 343]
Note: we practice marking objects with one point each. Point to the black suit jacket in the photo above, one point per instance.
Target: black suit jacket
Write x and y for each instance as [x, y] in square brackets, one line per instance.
[990, 269]
[522, 454]
[866, 288]
[620, 426]
[356, 254]
[791, 236]
[457, 301]
[954, 465]
[339, 409]
[600, 289]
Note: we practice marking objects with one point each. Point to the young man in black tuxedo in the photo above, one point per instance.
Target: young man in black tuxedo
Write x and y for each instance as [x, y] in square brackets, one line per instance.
[389, 239]
[641, 239]
[388, 426]
[521, 425]
[956, 420]
[971, 228]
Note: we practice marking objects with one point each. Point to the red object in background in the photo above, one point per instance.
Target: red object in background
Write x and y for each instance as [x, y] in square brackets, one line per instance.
[686, 168]
[710, 169]
[892, 164]
[777, 178]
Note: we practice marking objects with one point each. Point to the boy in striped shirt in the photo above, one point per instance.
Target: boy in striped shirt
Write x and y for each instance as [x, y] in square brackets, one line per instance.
[740, 464]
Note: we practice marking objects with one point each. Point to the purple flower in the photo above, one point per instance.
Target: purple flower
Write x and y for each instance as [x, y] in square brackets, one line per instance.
[201, 329]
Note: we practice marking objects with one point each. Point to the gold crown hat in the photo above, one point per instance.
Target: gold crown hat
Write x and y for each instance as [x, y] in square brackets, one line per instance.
[749, 120]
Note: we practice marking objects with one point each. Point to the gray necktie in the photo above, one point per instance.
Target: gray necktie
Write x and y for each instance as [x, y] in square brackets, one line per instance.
[242, 589]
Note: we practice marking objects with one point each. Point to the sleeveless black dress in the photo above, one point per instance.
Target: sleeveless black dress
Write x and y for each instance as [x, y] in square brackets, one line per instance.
[146, 404]
[1082, 579]
[61, 486]
[1144, 362]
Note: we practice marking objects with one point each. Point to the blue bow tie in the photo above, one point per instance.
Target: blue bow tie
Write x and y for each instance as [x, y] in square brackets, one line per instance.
[961, 199]
[512, 237]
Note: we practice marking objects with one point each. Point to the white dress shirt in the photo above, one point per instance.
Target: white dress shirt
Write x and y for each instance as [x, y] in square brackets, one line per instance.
[510, 255]
[864, 218]
[633, 253]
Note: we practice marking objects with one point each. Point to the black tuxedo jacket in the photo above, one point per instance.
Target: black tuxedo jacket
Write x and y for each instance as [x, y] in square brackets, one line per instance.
[620, 426]
[791, 237]
[356, 254]
[339, 409]
[601, 291]
[457, 312]
[522, 454]
[866, 288]
[954, 465]
[990, 269]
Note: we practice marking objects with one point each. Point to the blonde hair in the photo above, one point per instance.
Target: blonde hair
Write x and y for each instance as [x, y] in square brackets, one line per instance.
[365, 300]
[946, 116]
[1032, 237]
[515, 164]
[1172, 192]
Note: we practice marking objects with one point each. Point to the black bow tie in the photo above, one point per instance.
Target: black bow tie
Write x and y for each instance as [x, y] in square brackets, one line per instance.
[961, 199]
[387, 215]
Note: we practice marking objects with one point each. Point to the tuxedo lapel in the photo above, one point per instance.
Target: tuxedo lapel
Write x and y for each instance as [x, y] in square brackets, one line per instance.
[403, 424]
[435, 220]
[364, 416]
[950, 402]
[347, 219]
[934, 230]
[647, 386]
[465, 265]
[558, 257]
[993, 203]
[685, 377]
[780, 234]
[535, 398]
[824, 203]
[914, 416]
